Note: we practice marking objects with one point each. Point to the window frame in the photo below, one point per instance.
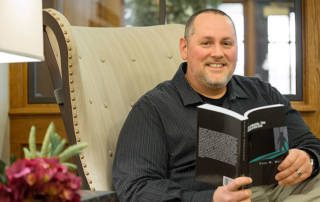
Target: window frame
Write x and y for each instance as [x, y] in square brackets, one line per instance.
[250, 40]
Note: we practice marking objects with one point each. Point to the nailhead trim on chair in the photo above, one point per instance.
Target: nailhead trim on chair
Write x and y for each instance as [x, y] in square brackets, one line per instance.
[89, 97]
[65, 30]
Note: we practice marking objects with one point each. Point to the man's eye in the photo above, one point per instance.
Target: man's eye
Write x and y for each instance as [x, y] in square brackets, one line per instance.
[227, 43]
[205, 43]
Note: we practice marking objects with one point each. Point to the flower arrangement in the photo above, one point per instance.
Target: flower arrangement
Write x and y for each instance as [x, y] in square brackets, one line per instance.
[42, 175]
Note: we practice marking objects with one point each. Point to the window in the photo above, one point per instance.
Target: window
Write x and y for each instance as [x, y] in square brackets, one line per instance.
[269, 39]
[268, 31]
[273, 28]
[278, 45]
[235, 11]
[40, 89]
[281, 53]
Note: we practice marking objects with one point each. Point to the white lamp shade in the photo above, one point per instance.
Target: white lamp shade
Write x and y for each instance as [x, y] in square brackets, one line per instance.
[21, 38]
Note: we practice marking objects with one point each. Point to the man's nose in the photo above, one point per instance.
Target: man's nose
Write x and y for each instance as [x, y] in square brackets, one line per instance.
[217, 51]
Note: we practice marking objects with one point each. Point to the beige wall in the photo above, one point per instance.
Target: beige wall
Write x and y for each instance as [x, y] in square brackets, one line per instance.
[4, 108]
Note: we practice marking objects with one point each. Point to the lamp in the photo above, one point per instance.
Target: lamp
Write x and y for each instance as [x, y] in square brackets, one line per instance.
[21, 38]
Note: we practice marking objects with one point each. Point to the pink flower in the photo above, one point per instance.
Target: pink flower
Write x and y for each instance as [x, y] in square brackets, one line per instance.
[40, 178]
[5, 194]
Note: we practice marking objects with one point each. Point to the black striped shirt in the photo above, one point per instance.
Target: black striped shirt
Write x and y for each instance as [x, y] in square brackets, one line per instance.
[156, 151]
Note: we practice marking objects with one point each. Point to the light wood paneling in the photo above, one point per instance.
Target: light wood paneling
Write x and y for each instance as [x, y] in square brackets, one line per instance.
[20, 126]
[19, 93]
[250, 38]
[23, 115]
[310, 105]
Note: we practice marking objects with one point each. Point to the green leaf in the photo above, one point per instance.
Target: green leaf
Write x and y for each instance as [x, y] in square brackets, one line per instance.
[38, 154]
[32, 142]
[59, 148]
[3, 177]
[27, 153]
[2, 166]
[70, 166]
[55, 140]
[45, 144]
[71, 151]
[49, 153]
[13, 158]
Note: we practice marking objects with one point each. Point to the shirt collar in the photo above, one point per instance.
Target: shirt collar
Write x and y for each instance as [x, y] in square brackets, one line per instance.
[191, 97]
[187, 94]
[235, 89]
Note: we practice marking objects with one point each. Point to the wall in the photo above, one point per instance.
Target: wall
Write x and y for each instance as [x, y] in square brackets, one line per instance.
[310, 106]
[4, 108]
[23, 115]
[93, 13]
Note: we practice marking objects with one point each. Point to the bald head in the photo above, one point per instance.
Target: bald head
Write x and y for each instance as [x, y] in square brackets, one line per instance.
[189, 28]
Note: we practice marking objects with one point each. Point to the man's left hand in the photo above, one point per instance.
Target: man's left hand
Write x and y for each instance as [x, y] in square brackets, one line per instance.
[295, 168]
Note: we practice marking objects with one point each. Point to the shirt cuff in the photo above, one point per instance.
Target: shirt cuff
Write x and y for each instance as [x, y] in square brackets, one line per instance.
[315, 160]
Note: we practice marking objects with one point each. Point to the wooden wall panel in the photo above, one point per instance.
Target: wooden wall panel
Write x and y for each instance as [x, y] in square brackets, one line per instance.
[310, 106]
[23, 115]
[20, 126]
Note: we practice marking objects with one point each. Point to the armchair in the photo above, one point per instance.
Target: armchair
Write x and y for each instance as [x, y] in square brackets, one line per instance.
[97, 74]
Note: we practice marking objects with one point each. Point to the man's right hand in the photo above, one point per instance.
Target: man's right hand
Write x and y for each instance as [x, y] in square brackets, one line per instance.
[233, 192]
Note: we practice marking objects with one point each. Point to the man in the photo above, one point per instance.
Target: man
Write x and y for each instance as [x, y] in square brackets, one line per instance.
[156, 151]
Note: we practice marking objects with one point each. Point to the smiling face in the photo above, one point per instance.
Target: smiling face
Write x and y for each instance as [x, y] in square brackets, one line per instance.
[211, 53]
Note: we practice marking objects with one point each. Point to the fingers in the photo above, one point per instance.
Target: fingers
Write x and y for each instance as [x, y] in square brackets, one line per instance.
[233, 191]
[289, 166]
[289, 160]
[247, 200]
[238, 183]
[294, 168]
[295, 177]
[221, 194]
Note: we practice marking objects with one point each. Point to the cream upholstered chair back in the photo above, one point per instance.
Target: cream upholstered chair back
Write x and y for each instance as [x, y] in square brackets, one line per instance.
[98, 73]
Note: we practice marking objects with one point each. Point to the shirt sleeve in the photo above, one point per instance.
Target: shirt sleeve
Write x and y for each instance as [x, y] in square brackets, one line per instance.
[140, 168]
[300, 135]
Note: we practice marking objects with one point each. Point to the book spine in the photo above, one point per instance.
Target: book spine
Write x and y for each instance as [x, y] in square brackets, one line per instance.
[244, 150]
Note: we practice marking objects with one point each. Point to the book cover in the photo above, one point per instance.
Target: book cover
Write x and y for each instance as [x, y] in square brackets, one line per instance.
[232, 145]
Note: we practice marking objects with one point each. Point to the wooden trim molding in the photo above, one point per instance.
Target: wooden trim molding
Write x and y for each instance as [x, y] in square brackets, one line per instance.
[23, 115]
[32, 110]
[18, 85]
[250, 38]
[304, 108]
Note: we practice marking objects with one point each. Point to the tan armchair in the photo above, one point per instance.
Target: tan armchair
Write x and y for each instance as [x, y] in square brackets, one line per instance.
[98, 73]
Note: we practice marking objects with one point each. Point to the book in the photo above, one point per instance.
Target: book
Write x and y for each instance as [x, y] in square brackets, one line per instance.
[232, 145]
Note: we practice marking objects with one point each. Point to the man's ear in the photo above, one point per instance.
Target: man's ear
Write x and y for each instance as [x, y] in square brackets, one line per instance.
[183, 48]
